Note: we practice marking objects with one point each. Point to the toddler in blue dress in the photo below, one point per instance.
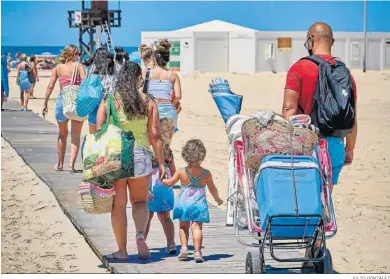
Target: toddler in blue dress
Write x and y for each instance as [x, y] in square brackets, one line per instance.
[161, 197]
[191, 205]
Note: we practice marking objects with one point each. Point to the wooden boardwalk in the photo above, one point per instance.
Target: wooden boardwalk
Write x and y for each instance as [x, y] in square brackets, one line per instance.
[34, 139]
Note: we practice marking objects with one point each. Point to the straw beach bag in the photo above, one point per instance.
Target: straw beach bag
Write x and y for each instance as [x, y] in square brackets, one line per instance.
[95, 199]
[69, 97]
[276, 138]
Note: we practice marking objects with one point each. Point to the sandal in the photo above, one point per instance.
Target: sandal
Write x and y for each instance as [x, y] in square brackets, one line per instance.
[73, 170]
[171, 248]
[198, 257]
[143, 249]
[112, 257]
[183, 256]
[56, 168]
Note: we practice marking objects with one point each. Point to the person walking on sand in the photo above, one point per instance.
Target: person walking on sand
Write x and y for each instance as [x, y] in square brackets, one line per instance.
[64, 72]
[161, 198]
[137, 112]
[102, 65]
[164, 84]
[33, 65]
[4, 80]
[191, 206]
[300, 88]
[24, 83]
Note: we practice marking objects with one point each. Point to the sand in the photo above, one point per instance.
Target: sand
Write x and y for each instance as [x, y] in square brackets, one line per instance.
[36, 235]
[362, 199]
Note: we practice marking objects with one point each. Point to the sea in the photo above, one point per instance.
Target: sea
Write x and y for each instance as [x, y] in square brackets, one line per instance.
[34, 50]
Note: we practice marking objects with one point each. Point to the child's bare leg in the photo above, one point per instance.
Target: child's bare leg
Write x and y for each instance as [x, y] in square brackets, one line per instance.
[151, 214]
[197, 235]
[168, 227]
[184, 234]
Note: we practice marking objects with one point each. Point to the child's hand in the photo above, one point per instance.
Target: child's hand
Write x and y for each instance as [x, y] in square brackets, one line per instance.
[150, 196]
[219, 201]
[165, 182]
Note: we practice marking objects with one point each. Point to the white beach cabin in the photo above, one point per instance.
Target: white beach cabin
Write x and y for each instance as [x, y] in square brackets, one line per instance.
[219, 46]
[214, 46]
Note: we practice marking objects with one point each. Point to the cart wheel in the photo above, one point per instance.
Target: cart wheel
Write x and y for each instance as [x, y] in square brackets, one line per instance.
[254, 263]
[326, 266]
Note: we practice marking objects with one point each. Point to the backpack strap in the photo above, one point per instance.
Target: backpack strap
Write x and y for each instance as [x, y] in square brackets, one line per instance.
[315, 59]
[147, 77]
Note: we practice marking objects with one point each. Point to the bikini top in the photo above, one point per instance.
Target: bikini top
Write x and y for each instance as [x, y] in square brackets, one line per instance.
[160, 89]
[75, 79]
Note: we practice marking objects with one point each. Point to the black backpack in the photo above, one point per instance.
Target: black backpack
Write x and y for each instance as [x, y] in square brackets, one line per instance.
[333, 109]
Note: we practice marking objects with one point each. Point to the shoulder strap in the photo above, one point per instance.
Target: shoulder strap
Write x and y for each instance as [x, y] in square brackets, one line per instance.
[169, 74]
[75, 73]
[111, 110]
[147, 77]
[194, 182]
[316, 59]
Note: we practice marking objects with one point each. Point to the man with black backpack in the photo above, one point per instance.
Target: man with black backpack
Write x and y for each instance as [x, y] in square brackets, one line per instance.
[321, 86]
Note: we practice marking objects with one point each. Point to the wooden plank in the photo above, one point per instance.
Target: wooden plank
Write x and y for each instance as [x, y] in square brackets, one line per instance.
[35, 139]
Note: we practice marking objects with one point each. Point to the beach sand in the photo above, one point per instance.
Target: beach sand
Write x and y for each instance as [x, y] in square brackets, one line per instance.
[36, 236]
[362, 198]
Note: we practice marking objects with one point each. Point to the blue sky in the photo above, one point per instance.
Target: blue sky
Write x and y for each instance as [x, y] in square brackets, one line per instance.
[45, 23]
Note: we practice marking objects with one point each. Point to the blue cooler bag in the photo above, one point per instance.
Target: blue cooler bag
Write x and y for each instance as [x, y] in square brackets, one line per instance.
[275, 196]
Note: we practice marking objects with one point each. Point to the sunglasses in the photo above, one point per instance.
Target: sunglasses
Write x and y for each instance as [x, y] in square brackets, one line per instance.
[306, 44]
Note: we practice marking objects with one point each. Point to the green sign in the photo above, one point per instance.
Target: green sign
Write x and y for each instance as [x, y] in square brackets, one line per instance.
[174, 65]
[175, 49]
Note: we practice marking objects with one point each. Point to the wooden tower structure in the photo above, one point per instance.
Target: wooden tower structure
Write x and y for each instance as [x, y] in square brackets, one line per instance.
[93, 20]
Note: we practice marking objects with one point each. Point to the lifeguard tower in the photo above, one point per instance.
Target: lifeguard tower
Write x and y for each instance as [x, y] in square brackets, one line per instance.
[94, 21]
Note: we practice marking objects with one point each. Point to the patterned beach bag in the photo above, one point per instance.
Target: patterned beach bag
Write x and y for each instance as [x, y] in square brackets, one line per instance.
[278, 137]
[69, 97]
[96, 200]
[89, 95]
[108, 154]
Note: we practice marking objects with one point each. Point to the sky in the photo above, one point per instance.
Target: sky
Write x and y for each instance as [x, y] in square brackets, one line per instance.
[34, 23]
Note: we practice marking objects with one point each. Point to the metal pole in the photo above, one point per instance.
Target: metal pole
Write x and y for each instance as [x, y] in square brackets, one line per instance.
[365, 37]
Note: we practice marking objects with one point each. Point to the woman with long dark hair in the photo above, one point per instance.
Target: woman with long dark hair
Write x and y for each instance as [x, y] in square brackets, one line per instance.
[138, 113]
[102, 65]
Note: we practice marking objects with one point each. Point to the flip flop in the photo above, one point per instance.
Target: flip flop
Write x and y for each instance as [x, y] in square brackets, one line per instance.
[112, 257]
[198, 257]
[56, 168]
[183, 256]
[73, 170]
[171, 248]
[143, 249]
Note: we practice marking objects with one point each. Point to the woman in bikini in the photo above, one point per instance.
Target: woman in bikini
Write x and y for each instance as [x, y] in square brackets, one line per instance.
[164, 84]
[64, 72]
